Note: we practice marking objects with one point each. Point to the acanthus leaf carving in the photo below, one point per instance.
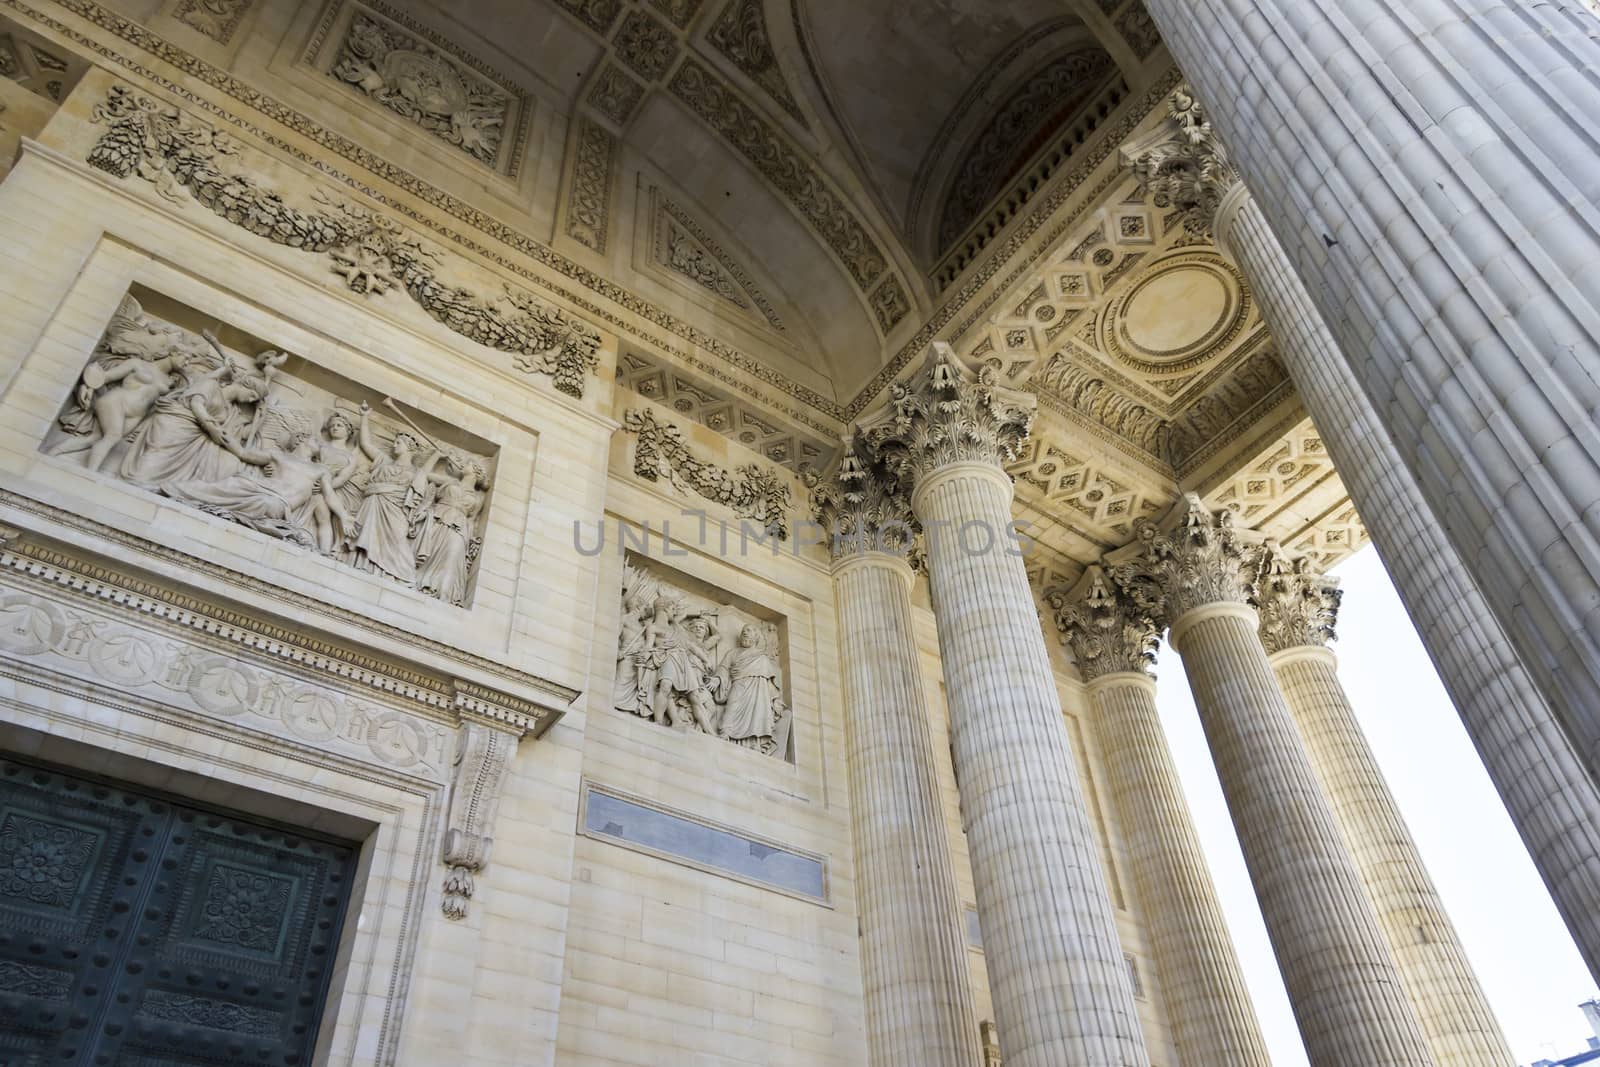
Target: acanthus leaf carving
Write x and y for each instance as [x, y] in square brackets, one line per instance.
[662, 454]
[179, 154]
[484, 748]
[948, 413]
[1108, 632]
[1203, 560]
[864, 507]
[1298, 606]
[1183, 165]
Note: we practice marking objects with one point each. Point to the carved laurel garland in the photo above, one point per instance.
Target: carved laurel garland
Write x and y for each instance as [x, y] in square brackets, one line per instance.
[176, 152]
[662, 454]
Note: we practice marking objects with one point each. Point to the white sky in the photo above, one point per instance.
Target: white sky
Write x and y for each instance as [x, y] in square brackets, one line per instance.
[1522, 953]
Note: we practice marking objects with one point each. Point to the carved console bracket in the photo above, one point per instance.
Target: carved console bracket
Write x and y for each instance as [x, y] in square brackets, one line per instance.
[179, 155]
[753, 491]
[492, 725]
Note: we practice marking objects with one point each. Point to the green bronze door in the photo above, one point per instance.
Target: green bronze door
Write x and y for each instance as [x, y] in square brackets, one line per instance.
[139, 932]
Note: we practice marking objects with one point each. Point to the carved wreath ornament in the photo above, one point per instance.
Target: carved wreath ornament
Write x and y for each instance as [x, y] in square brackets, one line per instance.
[177, 153]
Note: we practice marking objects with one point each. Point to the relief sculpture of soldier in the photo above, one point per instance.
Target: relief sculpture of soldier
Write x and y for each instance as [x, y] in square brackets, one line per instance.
[176, 412]
[670, 670]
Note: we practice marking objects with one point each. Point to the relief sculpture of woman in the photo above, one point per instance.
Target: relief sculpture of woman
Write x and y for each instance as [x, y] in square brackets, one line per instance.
[380, 537]
[445, 544]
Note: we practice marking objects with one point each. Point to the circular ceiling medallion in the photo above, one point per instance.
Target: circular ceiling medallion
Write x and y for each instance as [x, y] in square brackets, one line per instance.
[1176, 315]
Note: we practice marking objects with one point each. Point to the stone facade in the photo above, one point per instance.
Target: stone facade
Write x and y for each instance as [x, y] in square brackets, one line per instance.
[537, 453]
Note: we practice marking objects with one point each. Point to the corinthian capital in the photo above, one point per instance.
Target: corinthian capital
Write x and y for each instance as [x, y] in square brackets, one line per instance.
[948, 413]
[1298, 606]
[863, 506]
[1107, 631]
[1181, 163]
[1202, 560]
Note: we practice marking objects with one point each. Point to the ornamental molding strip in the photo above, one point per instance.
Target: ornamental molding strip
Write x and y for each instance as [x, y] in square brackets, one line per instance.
[182, 157]
[594, 155]
[1106, 630]
[947, 413]
[740, 34]
[661, 454]
[1299, 607]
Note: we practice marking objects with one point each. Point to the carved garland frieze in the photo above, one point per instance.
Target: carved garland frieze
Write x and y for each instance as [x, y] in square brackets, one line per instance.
[696, 663]
[662, 455]
[420, 82]
[242, 439]
[177, 153]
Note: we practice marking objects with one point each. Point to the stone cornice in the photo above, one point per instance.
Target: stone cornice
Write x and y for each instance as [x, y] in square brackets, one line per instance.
[1107, 631]
[1298, 606]
[39, 556]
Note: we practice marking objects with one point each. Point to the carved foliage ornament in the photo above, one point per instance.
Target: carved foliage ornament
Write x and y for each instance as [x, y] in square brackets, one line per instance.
[1107, 631]
[177, 153]
[863, 507]
[662, 454]
[1203, 561]
[1188, 168]
[1298, 606]
[483, 751]
[948, 413]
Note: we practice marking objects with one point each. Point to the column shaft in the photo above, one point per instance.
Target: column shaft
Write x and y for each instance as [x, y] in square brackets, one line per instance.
[1202, 986]
[1061, 989]
[1342, 981]
[1429, 167]
[1455, 1015]
[919, 1005]
[1549, 793]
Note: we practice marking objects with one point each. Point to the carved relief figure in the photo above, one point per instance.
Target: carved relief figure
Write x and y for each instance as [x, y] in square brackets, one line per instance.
[175, 412]
[671, 670]
[446, 545]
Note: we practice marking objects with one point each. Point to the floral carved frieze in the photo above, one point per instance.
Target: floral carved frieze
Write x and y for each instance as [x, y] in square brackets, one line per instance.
[740, 33]
[246, 439]
[185, 158]
[662, 454]
[697, 662]
[417, 80]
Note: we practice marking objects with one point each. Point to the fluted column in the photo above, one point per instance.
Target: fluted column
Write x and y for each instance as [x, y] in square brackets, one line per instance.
[1431, 170]
[1061, 989]
[1342, 980]
[918, 992]
[1208, 1006]
[1551, 796]
[1298, 612]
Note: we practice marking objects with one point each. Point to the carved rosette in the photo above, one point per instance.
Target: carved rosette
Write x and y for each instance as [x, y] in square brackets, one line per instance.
[1108, 632]
[486, 740]
[947, 413]
[1183, 165]
[1204, 560]
[863, 507]
[1298, 607]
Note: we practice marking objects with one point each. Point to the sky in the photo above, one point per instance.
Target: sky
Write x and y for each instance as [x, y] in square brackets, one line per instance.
[1524, 958]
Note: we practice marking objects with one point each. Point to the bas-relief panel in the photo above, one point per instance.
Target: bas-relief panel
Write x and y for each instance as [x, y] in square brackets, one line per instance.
[279, 446]
[691, 659]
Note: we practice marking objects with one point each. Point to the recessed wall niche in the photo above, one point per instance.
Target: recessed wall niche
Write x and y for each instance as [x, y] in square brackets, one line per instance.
[696, 659]
[221, 421]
